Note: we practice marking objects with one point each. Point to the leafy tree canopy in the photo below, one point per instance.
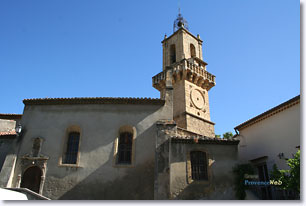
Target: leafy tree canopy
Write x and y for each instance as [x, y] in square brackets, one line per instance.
[228, 135]
[290, 178]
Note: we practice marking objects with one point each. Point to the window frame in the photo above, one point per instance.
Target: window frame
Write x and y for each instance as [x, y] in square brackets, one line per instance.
[123, 129]
[72, 148]
[198, 175]
[192, 49]
[209, 163]
[69, 130]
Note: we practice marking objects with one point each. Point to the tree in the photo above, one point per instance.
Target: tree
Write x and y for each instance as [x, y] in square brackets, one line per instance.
[228, 135]
[290, 178]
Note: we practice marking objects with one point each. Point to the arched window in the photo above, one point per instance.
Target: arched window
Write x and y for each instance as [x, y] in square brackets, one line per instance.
[198, 161]
[125, 148]
[31, 179]
[172, 54]
[192, 51]
[72, 149]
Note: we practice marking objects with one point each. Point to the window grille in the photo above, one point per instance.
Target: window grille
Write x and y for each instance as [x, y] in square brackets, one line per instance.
[125, 148]
[198, 165]
[72, 148]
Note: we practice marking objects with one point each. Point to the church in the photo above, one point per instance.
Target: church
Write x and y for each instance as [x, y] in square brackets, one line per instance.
[128, 148]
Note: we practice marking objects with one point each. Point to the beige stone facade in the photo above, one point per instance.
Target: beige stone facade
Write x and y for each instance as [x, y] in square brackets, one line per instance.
[183, 65]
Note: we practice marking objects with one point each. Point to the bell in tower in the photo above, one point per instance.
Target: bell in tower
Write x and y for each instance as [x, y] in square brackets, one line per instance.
[180, 22]
[185, 71]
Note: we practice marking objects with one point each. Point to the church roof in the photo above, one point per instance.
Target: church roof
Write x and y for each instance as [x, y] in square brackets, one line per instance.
[93, 100]
[10, 116]
[274, 110]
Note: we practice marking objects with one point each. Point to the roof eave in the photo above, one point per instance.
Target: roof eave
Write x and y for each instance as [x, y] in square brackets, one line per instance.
[262, 115]
[182, 29]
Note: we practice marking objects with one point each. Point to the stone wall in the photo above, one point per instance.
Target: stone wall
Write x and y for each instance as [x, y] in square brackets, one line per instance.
[188, 39]
[165, 130]
[8, 140]
[7, 125]
[5, 148]
[221, 159]
[199, 126]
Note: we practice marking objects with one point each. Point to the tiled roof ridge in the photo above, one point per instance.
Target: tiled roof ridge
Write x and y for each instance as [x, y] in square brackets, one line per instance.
[10, 116]
[12, 132]
[93, 100]
[203, 139]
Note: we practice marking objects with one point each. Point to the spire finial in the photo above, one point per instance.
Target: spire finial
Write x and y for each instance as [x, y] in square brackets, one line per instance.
[179, 22]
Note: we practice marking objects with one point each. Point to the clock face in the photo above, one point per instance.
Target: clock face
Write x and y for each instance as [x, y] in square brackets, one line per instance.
[197, 98]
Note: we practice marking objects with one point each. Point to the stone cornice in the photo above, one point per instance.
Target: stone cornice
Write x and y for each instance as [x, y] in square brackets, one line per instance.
[179, 30]
[201, 118]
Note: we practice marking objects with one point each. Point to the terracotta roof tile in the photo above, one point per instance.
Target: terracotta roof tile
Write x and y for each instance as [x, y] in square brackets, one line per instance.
[8, 133]
[10, 116]
[203, 140]
[93, 100]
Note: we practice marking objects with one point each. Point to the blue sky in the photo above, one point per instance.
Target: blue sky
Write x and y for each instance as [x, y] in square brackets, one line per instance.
[97, 48]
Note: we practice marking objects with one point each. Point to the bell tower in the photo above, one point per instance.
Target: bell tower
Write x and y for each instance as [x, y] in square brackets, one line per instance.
[185, 70]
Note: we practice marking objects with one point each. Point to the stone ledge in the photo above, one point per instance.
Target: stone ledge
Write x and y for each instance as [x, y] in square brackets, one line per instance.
[166, 122]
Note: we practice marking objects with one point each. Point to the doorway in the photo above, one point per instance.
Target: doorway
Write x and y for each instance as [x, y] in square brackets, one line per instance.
[31, 179]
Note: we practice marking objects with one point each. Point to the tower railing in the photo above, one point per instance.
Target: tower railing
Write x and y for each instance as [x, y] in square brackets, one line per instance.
[187, 67]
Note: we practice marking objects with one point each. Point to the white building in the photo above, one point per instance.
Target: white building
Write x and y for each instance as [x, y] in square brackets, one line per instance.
[270, 138]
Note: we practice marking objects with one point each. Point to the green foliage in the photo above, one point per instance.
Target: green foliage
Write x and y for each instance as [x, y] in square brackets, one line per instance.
[217, 136]
[290, 178]
[239, 172]
[228, 135]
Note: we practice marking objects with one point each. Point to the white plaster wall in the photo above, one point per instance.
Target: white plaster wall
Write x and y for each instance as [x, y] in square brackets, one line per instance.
[279, 133]
[99, 127]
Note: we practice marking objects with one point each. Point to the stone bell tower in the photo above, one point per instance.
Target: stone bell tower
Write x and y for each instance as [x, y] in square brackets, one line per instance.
[184, 71]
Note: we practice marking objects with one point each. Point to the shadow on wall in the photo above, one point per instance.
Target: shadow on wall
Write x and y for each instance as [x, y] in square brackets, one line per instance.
[221, 179]
[131, 116]
[213, 191]
[135, 183]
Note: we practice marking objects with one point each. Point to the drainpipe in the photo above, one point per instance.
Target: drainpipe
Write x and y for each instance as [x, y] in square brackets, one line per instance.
[237, 133]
